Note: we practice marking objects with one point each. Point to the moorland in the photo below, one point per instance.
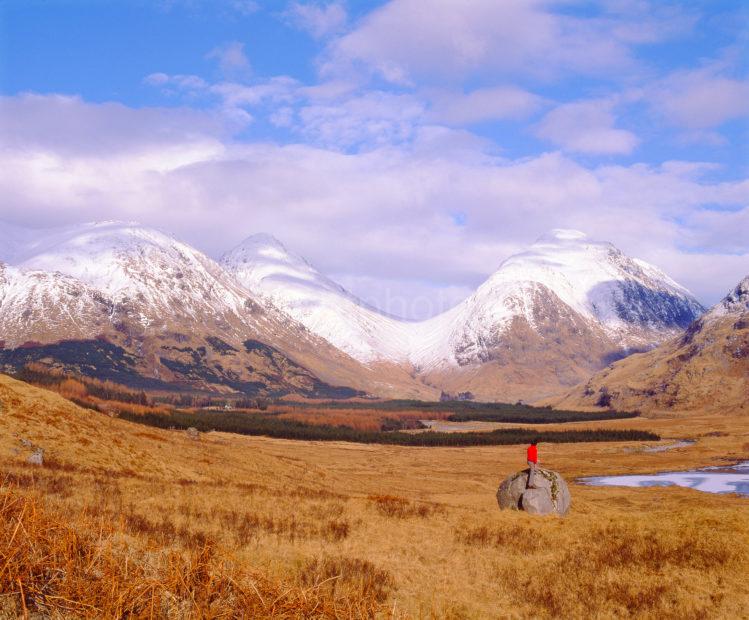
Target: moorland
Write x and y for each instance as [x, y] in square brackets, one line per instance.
[128, 519]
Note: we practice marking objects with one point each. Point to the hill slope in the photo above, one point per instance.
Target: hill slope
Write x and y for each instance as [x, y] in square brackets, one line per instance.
[123, 518]
[264, 266]
[705, 368]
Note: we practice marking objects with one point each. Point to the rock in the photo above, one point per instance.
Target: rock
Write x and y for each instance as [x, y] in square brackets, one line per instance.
[537, 502]
[37, 458]
[511, 491]
[193, 433]
[551, 495]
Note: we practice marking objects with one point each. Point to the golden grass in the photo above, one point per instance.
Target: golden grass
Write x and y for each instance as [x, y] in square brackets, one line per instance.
[151, 521]
[85, 565]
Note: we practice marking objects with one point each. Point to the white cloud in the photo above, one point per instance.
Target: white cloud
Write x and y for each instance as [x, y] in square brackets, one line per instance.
[232, 60]
[701, 99]
[586, 127]
[384, 214]
[406, 40]
[370, 119]
[317, 18]
[499, 102]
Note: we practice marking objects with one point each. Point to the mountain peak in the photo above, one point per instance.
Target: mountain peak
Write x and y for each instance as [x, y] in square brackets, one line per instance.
[263, 249]
[736, 302]
[263, 239]
[261, 258]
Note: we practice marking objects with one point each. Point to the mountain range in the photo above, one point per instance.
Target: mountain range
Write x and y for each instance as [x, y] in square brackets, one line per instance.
[546, 318]
[132, 304]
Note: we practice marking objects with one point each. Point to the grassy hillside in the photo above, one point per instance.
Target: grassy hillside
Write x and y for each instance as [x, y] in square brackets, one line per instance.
[124, 518]
[705, 369]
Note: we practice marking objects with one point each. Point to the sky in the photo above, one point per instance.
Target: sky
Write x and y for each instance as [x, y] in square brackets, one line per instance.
[404, 147]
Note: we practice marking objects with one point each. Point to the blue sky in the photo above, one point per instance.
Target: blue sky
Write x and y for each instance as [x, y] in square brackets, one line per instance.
[405, 147]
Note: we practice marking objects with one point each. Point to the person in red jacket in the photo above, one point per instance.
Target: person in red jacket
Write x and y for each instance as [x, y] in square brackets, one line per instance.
[532, 463]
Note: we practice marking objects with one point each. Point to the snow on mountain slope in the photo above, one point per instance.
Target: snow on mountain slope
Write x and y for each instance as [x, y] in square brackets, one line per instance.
[561, 309]
[704, 368]
[179, 313]
[266, 268]
[634, 304]
[625, 301]
[735, 303]
[52, 303]
[149, 274]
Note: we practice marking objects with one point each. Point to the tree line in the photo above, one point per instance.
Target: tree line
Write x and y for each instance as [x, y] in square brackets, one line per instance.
[272, 426]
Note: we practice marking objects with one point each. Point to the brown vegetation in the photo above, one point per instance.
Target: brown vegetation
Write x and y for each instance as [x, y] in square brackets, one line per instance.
[401, 508]
[359, 419]
[122, 521]
[85, 565]
[704, 369]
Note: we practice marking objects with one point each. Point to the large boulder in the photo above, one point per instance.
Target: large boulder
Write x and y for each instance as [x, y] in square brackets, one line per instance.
[551, 495]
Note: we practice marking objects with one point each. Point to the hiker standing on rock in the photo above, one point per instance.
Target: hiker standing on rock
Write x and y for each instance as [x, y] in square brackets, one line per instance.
[532, 464]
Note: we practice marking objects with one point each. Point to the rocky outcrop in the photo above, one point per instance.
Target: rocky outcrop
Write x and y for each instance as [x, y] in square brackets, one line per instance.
[550, 495]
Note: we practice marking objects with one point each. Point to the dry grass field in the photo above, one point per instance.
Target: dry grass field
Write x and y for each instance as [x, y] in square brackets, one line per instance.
[129, 520]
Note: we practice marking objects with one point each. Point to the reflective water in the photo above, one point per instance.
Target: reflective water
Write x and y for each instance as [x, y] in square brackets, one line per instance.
[732, 479]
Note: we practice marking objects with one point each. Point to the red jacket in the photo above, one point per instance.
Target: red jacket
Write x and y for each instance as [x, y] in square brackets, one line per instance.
[533, 454]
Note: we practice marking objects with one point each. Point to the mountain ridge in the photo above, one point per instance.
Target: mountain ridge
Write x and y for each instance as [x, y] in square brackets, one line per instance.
[545, 319]
[164, 302]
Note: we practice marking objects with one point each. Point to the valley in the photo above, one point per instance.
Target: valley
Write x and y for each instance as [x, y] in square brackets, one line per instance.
[383, 310]
[203, 437]
[335, 529]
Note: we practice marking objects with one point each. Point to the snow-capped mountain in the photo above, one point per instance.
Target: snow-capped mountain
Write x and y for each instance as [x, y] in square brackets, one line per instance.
[175, 314]
[150, 278]
[37, 305]
[266, 268]
[589, 285]
[548, 317]
[629, 302]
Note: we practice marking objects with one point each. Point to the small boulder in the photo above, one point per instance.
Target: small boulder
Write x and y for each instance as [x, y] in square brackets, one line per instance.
[193, 433]
[551, 495]
[37, 457]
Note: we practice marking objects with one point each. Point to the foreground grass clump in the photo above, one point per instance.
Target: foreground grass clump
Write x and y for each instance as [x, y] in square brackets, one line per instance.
[272, 426]
[401, 508]
[633, 568]
[86, 566]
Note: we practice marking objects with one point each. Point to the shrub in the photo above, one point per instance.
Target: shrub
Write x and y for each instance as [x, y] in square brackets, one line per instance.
[401, 508]
[359, 578]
